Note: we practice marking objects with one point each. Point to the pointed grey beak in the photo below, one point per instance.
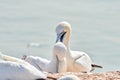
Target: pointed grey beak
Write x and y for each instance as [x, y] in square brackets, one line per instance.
[60, 37]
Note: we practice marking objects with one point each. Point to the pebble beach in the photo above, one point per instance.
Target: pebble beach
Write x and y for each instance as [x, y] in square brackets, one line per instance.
[112, 75]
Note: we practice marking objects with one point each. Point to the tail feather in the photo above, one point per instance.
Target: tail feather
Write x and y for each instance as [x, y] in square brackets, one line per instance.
[96, 66]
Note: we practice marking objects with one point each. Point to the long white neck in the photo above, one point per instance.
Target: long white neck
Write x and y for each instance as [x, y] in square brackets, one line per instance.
[62, 67]
[54, 64]
[66, 41]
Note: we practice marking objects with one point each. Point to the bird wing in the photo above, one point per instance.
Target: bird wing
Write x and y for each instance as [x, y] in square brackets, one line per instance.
[38, 62]
[17, 71]
[82, 61]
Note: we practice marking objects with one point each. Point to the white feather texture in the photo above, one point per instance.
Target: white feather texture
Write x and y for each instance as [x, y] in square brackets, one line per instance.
[56, 64]
[12, 68]
[77, 61]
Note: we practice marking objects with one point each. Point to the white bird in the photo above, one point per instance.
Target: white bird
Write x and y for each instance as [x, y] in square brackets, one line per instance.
[69, 77]
[76, 61]
[12, 68]
[56, 64]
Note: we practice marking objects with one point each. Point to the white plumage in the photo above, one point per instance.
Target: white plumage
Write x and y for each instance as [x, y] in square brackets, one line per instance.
[12, 68]
[77, 61]
[56, 64]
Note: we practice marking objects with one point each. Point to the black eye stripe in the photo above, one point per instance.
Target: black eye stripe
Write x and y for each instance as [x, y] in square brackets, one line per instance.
[62, 37]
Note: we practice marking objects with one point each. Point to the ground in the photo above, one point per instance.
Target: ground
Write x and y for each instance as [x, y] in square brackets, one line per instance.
[113, 75]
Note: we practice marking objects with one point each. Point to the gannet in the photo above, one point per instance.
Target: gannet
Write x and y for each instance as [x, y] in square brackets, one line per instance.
[77, 61]
[16, 69]
[56, 65]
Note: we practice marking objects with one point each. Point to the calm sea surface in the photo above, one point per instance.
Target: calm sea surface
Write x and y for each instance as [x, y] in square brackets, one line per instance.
[95, 28]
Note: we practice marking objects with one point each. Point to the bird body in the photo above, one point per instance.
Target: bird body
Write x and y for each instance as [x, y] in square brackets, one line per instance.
[56, 64]
[16, 69]
[77, 61]
[80, 61]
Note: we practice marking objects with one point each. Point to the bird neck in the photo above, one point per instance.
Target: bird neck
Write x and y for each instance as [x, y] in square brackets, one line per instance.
[66, 41]
[54, 63]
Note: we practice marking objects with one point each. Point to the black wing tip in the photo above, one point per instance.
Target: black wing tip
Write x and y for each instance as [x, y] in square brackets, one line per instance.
[97, 66]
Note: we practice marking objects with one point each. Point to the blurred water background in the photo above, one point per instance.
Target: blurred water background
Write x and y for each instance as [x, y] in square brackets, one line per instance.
[95, 28]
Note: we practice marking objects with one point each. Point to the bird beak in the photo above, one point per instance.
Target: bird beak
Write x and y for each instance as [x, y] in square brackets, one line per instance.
[60, 37]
